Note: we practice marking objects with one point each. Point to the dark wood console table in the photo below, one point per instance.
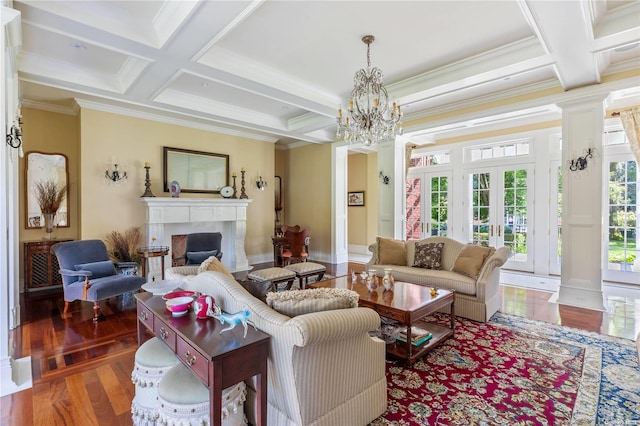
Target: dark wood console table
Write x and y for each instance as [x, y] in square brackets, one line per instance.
[41, 269]
[218, 360]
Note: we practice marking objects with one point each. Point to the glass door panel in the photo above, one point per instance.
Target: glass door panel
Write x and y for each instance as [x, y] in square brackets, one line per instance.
[514, 204]
[482, 230]
[413, 208]
[439, 205]
[427, 205]
[622, 232]
[555, 221]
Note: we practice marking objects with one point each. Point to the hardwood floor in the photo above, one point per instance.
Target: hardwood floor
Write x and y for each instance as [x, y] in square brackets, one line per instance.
[82, 370]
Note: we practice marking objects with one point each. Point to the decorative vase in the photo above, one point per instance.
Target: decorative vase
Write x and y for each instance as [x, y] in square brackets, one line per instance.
[387, 281]
[48, 225]
[372, 280]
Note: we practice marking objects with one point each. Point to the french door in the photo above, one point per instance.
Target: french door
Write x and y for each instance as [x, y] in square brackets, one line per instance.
[500, 207]
[428, 203]
[621, 260]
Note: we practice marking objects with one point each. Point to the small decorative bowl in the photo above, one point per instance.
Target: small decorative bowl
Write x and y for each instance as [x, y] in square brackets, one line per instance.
[179, 306]
[182, 293]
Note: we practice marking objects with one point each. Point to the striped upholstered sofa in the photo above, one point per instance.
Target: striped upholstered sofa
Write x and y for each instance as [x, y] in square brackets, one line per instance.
[476, 286]
[324, 368]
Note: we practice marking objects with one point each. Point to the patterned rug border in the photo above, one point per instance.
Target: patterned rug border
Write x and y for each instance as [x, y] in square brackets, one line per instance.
[586, 406]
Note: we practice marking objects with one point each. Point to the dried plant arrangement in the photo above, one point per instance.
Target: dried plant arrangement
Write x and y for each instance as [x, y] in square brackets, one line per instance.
[122, 247]
[49, 195]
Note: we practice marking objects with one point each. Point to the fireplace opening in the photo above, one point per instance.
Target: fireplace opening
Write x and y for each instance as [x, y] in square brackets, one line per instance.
[178, 249]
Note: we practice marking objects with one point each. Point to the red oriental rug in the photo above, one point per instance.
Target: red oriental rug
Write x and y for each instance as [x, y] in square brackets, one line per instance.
[487, 374]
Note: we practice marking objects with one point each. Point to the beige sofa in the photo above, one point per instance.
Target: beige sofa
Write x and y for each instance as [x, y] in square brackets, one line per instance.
[477, 298]
[324, 368]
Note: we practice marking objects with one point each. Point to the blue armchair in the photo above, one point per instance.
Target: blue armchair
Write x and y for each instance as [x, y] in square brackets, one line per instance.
[88, 274]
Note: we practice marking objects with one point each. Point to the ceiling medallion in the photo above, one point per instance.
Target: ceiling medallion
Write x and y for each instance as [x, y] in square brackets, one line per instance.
[370, 117]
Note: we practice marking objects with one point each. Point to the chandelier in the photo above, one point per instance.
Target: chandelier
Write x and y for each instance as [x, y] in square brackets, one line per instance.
[370, 118]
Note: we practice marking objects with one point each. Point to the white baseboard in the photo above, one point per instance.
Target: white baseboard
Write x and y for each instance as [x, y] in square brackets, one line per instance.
[15, 375]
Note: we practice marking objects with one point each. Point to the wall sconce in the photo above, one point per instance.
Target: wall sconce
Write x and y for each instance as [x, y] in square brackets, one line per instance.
[261, 183]
[14, 137]
[385, 179]
[580, 163]
[114, 175]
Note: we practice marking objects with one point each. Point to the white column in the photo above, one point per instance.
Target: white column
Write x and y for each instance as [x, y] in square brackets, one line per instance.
[581, 279]
[15, 374]
[391, 197]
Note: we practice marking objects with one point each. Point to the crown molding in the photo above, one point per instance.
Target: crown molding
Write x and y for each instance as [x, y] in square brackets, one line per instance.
[51, 107]
[170, 120]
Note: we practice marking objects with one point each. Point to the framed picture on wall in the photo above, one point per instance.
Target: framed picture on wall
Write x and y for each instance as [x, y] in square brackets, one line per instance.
[356, 199]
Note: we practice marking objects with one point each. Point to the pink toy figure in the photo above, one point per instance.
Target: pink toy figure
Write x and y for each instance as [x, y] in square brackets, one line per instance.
[241, 317]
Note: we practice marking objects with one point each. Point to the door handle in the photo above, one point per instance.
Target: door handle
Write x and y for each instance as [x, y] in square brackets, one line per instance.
[499, 230]
[491, 228]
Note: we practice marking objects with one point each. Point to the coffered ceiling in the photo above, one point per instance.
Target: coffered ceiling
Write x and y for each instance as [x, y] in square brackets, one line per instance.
[278, 70]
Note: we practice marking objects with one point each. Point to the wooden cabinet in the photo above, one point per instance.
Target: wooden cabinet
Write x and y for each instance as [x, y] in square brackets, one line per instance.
[41, 267]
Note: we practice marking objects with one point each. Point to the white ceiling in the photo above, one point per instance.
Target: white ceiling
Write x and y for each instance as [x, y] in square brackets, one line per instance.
[278, 70]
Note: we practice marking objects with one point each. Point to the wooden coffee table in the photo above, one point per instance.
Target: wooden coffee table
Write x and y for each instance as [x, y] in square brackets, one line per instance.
[407, 304]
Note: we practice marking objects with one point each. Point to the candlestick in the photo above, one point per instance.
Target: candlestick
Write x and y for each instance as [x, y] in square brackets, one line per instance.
[243, 194]
[234, 186]
[147, 183]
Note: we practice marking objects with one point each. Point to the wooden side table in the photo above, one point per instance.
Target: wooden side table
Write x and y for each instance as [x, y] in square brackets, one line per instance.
[153, 251]
[278, 244]
[218, 360]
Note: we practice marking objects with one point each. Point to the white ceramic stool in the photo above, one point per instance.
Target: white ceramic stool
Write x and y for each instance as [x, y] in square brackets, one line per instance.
[184, 401]
[153, 359]
[304, 270]
[275, 275]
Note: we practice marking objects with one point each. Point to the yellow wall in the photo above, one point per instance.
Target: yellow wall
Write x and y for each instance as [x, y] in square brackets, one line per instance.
[307, 193]
[357, 181]
[372, 202]
[135, 141]
[50, 132]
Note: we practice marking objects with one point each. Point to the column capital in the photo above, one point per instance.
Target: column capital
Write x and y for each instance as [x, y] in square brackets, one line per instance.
[582, 101]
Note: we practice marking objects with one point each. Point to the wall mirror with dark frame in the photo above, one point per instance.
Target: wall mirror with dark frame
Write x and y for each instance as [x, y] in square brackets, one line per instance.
[42, 167]
[195, 171]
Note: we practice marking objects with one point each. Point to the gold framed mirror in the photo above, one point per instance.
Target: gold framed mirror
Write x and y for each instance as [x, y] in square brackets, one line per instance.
[42, 167]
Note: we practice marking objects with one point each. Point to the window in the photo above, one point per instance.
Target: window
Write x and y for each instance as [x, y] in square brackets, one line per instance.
[506, 149]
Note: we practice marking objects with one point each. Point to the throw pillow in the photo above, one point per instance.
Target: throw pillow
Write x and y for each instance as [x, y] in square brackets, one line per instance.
[213, 264]
[471, 259]
[197, 257]
[299, 302]
[391, 252]
[100, 269]
[258, 289]
[428, 255]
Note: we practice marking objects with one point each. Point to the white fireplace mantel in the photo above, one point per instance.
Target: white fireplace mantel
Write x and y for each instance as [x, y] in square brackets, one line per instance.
[171, 216]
